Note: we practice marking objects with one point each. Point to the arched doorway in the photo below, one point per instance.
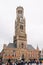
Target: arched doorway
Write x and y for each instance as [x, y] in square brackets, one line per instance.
[23, 57]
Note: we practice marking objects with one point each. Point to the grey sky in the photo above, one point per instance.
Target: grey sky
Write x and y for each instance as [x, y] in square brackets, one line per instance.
[33, 12]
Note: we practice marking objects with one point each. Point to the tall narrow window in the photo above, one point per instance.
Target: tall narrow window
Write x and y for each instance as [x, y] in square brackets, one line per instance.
[22, 45]
[21, 27]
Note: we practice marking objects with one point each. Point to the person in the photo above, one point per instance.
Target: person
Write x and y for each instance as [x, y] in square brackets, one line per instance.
[13, 63]
[9, 62]
[0, 61]
[25, 63]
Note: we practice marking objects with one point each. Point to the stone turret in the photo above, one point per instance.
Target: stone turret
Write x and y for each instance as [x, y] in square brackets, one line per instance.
[4, 46]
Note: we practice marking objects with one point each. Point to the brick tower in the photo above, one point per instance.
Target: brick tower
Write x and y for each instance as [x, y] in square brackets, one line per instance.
[20, 38]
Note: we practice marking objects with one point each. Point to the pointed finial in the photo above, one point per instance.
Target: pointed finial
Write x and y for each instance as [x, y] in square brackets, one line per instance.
[37, 47]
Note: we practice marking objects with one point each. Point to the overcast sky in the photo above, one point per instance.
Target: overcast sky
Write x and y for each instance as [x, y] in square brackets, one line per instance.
[33, 13]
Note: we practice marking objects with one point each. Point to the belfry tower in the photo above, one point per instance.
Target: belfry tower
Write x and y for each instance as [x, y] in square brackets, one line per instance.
[20, 38]
[19, 49]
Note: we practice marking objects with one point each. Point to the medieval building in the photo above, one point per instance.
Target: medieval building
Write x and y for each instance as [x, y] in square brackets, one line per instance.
[19, 49]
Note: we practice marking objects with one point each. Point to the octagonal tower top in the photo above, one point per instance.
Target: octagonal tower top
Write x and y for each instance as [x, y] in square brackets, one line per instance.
[19, 11]
[19, 8]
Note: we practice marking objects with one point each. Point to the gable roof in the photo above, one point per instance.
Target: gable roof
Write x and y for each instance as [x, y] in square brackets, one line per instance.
[30, 47]
[10, 45]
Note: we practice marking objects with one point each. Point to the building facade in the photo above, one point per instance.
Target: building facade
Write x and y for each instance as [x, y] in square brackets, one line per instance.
[41, 53]
[19, 49]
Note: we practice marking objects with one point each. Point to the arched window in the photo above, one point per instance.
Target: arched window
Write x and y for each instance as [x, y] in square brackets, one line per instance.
[23, 57]
[22, 45]
[21, 27]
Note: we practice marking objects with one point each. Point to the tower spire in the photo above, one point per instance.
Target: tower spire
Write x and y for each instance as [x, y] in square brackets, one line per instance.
[37, 47]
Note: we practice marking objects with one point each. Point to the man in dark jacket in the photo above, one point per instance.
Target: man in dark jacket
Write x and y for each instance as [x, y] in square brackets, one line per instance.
[0, 61]
[9, 62]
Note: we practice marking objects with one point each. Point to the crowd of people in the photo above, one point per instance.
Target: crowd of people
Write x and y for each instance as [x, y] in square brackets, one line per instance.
[19, 62]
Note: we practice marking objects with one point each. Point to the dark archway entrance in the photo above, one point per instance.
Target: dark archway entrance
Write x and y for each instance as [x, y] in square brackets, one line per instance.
[23, 57]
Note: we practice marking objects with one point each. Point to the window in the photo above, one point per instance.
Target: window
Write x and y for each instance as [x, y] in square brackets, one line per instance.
[21, 27]
[22, 45]
[22, 56]
[20, 11]
[13, 50]
[13, 55]
[21, 20]
[5, 54]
